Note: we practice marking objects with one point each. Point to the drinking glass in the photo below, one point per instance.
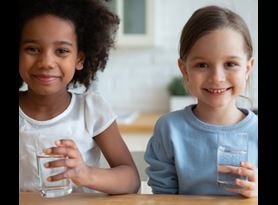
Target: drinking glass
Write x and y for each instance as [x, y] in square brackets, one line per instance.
[50, 189]
[232, 149]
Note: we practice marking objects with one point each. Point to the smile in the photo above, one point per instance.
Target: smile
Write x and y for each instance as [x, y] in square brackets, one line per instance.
[46, 79]
[217, 91]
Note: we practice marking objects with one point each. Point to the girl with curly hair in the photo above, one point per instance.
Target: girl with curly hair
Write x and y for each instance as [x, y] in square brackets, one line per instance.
[64, 43]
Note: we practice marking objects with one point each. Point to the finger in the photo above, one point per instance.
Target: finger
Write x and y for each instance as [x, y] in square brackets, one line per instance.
[66, 143]
[69, 163]
[225, 169]
[243, 192]
[245, 184]
[228, 169]
[241, 171]
[71, 153]
[250, 174]
[248, 165]
[56, 177]
[55, 163]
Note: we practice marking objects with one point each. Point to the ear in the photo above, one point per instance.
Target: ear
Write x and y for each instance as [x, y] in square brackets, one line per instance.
[183, 70]
[80, 60]
[249, 69]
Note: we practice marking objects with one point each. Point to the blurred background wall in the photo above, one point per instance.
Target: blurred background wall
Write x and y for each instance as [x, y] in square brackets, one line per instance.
[136, 77]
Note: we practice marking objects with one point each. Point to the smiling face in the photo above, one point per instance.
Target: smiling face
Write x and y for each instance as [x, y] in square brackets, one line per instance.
[216, 68]
[48, 54]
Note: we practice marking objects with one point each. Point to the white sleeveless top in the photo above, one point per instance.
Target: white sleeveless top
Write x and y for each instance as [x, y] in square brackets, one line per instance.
[87, 115]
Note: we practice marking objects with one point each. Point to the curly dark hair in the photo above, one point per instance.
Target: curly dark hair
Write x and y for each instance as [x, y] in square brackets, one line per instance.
[95, 26]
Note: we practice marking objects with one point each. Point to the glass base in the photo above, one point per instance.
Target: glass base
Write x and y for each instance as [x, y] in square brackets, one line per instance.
[53, 193]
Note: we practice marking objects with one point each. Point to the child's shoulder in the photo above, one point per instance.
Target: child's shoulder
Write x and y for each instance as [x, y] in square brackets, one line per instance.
[172, 115]
[87, 95]
[93, 104]
[90, 100]
[178, 116]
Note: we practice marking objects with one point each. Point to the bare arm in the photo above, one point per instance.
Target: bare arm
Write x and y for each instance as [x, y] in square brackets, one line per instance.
[121, 178]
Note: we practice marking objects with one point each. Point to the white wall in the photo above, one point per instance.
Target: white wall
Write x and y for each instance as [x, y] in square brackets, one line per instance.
[136, 79]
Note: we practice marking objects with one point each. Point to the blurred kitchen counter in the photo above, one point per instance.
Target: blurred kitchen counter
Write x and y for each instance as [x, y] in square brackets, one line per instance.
[144, 123]
[136, 130]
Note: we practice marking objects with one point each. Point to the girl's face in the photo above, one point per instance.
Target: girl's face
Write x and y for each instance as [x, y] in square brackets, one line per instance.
[48, 54]
[217, 68]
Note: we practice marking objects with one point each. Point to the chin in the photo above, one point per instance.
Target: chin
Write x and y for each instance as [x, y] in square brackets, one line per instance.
[219, 104]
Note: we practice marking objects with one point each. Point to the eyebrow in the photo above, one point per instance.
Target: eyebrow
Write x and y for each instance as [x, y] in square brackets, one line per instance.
[56, 42]
[234, 57]
[228, 57]
[198, 58]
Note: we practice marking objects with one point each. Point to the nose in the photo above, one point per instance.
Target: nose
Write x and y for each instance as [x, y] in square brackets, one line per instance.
[217, 74]
[46, 60]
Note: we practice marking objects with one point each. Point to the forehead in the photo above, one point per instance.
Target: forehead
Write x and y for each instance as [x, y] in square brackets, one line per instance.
[219, 42]
[49, 28]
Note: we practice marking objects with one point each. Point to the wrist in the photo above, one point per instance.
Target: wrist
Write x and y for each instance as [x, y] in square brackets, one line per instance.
[90, 177]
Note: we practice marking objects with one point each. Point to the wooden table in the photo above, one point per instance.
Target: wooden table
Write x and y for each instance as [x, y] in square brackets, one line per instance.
[34, 198]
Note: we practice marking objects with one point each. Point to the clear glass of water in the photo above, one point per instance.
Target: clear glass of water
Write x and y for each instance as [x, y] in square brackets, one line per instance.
[232, 149]
[50, 189]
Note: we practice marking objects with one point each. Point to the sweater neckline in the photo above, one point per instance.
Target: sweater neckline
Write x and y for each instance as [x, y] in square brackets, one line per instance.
[197, 123]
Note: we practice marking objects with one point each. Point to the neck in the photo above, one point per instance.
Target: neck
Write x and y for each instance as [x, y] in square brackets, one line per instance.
[219, 116]
[43, 107]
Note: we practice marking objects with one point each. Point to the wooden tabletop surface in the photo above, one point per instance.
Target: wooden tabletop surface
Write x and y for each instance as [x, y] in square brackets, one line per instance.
[34, 198]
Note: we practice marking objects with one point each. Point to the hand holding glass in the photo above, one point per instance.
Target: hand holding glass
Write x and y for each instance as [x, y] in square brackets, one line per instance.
[50, 189]
[232, 150]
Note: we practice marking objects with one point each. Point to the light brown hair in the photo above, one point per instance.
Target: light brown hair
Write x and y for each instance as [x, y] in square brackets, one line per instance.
[207, 19]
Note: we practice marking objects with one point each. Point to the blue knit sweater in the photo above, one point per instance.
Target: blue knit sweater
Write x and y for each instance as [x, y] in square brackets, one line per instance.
[182, 153]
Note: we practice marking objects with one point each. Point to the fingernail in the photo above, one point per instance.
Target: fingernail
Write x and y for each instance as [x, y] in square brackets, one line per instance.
[46, 165]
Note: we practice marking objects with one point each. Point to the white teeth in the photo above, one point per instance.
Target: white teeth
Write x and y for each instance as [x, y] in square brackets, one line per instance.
[217, 90]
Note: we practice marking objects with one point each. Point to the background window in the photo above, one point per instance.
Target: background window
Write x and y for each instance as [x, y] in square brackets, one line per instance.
[134, 17]
[136, 26]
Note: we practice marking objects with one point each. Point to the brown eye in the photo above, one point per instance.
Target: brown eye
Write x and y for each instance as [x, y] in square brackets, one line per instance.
[32, 50]
[202, 65]
[62, 51]
[231, 65]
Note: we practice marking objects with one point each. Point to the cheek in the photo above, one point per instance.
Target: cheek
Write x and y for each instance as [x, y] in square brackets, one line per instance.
[21, 62]
[25, 62]
[195, 80]
[240, 82]
[194, 83]
[23, 66]
[69, 70]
